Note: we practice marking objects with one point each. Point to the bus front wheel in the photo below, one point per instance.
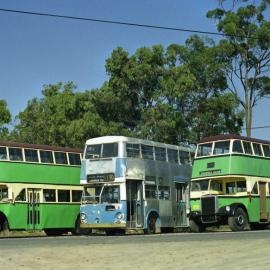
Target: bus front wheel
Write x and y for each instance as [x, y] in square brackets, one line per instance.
[196, 226]
[238, 221]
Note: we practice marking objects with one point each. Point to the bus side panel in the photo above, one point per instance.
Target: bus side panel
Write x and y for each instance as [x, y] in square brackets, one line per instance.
[16, 215]
[16, 172]
[59, 215]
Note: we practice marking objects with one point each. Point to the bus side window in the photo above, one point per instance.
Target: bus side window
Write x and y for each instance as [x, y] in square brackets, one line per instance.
[230, 188]
[63, 195]
[76, 195]
[147, 152]
[3, 194]
[49, 195]
[3, 153]
[241, 186]
[31, 155]
[216, 186]
[15, 154]
[46, 156]
[255, 189]
[133, 150]
[74, 159]
[60, 158]
[150, 191]
[184, 157]
[164, 193]
[21, 197]
[237, 147]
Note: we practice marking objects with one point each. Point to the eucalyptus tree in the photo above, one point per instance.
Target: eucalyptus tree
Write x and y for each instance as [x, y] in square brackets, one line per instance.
[245, 50]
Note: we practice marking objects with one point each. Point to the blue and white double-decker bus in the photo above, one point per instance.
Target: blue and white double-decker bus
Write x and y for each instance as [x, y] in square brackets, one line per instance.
[134, 184]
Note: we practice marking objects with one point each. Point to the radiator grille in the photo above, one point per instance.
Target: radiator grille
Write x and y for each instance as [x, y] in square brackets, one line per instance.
[208, 208]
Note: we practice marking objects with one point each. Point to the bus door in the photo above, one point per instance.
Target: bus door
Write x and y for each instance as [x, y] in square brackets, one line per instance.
[134, 204]
[181, 204]
[33, 213]
[263, 201]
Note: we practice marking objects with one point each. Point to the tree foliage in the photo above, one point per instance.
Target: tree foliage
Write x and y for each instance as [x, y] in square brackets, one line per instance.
[5, 118]
[169, 94]
[245, 51]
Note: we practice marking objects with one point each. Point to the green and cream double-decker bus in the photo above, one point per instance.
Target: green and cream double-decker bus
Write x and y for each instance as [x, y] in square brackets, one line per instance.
[230, 183]
[39, 188]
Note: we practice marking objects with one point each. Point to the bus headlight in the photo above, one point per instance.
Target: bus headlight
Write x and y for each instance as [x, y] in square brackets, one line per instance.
[228, 208]
[83, 218]
[119, 216]
[188, 211]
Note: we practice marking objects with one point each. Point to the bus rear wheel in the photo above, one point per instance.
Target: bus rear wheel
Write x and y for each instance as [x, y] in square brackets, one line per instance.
[238, 221]
[151, 224]
[4, 228]
[54, 232]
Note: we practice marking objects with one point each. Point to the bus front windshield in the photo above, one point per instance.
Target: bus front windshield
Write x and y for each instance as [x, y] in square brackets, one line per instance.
[101, 194]
[199, 185]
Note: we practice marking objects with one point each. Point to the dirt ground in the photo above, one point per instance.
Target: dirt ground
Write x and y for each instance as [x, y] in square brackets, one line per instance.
[195, 254]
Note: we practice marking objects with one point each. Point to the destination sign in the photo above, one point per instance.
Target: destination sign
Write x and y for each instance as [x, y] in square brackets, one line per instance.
[107, 177]
[210, 172]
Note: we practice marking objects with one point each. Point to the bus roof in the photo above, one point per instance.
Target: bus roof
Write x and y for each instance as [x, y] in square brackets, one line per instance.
[231, 136]
[111, 139]
[40, 146]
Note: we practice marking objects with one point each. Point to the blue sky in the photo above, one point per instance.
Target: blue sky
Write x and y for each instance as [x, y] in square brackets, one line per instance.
[38, 50]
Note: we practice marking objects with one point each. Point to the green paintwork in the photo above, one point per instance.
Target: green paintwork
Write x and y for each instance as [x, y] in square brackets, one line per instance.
[231, 165]
[252, 205]
[20, 172]
[52, 215]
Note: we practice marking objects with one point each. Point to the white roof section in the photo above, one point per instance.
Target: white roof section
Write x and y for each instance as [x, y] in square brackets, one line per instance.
[113, 139]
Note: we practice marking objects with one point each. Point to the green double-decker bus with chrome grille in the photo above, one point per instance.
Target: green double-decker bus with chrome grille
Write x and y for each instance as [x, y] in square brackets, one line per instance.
[230, 183]
[39, 188]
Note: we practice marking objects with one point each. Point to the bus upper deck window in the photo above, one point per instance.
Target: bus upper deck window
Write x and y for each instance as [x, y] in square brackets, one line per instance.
[3, 153]
[257, 149]
[133, 150]
[237, 147]
[60, 158]
[93, 151]
[222, 147]
[110, 150]
[160, 153]
[15, 154]
[74, 159]
[46, 156]
[266, 150]
[204, 149]
[247, 147]
[172, 155]
[31, 155]
[147, 152]
[184, 157]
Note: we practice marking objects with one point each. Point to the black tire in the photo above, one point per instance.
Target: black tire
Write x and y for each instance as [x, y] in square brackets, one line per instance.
[238, 221]
[257, 226]
[80, 231]
[54, 232]
[151, 224]
[4, 228]
[196, 226]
